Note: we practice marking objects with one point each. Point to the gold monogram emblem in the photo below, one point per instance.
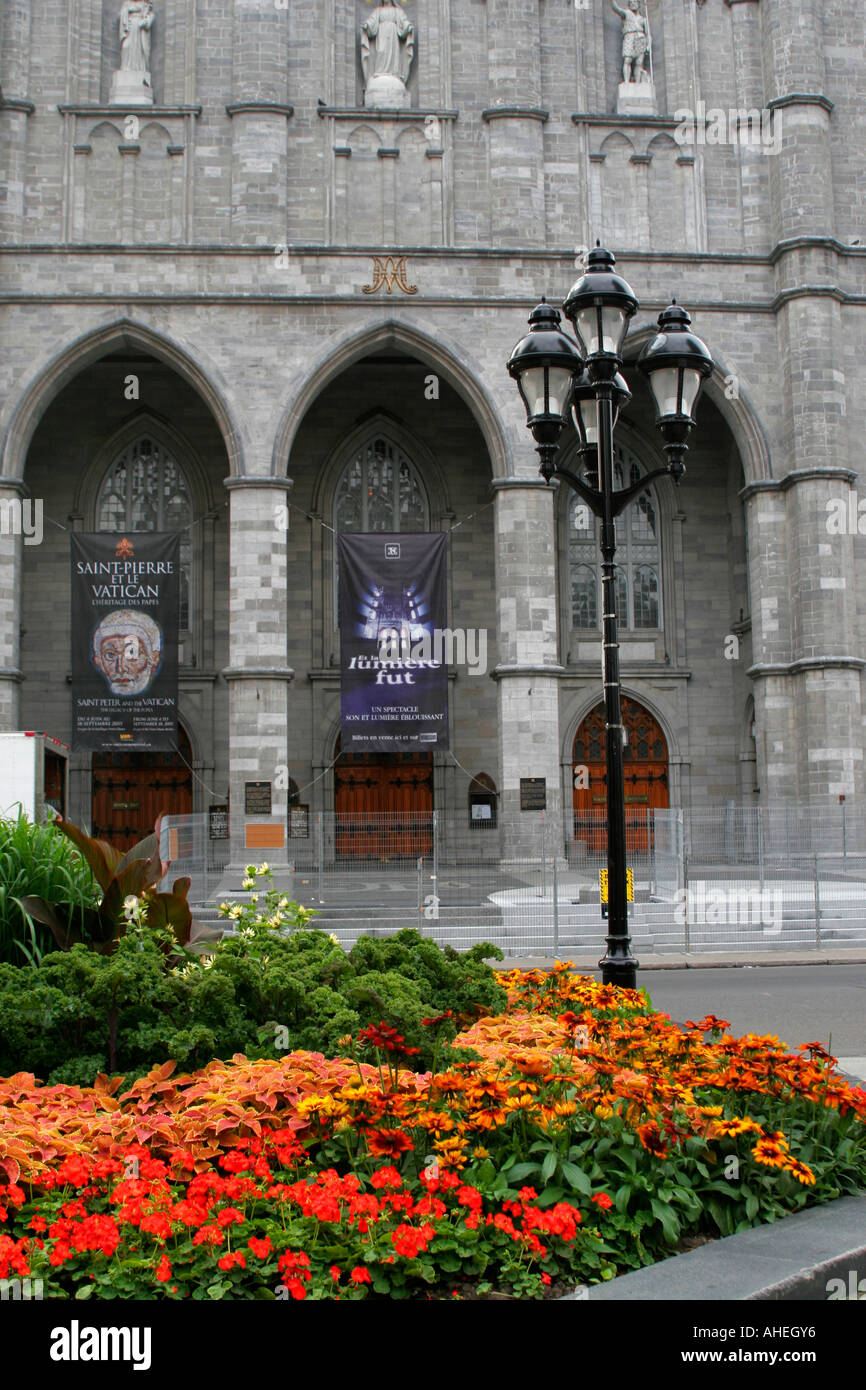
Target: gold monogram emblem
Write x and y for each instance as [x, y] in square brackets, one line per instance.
[388, 271]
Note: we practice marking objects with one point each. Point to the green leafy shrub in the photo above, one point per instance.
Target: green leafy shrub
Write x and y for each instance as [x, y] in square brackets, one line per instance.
[37, 860]
[261, 993]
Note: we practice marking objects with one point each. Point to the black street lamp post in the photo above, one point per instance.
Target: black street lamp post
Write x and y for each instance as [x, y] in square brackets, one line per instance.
[556, 375]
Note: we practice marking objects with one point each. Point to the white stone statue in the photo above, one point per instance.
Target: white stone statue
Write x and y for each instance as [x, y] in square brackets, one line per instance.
[636, 91]
[131, 84]
[387, 49]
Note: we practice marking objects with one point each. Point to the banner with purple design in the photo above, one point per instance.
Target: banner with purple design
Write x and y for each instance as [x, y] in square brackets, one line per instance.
[393, 610]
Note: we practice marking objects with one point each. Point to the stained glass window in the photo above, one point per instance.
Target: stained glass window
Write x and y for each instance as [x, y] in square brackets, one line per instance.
[145, 490]
[638, 557]
[380, 491]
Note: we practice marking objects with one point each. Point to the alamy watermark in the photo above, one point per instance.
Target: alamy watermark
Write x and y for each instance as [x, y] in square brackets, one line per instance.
[21, 517]
[702, 904]
[749, 127]
[401, 652]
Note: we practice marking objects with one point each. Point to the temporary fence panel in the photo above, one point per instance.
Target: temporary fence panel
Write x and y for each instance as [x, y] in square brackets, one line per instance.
[726, 878]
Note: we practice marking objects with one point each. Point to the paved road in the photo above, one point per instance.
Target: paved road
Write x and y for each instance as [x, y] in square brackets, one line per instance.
[824, 1003]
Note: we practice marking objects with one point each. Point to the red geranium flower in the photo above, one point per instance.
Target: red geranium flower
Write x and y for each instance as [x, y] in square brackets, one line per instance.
[360, 1275]
[260, 1248]
[229, 1216]
[208, 1235]
[163, 1270]
[602, 1200]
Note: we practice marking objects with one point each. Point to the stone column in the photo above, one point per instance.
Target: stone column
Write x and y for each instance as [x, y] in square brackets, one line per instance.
[259, 114]
[769, 585]
[12, 491]
[515, 123]
[749, 76]
[257, 673]
[826, 662]
[528, 670]
[823, 666]
[14, 82]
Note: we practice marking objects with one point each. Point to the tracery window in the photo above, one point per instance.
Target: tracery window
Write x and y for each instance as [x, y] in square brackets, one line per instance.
[379, 490]
[145, 489]
[638, 553]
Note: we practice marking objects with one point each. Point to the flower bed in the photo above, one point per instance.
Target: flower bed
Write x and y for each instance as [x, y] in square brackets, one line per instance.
[574, 1136]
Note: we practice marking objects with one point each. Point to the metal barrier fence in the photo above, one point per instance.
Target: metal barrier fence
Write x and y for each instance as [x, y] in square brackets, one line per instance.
[710, 879]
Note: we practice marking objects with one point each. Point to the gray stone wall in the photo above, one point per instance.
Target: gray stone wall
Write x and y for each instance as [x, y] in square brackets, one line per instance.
[235, 233]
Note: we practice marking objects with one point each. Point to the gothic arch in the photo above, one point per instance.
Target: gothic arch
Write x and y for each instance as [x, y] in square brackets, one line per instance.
[21, 418]
[443, 356]
[380, 422]
[587, 703]
[739, 415]
[144, 421]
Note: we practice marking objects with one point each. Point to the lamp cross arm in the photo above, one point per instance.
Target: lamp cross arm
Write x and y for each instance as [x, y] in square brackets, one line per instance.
[591, 495]
[623, 496]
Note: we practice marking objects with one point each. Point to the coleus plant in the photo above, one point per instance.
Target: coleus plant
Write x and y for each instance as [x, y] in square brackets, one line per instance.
[135, 873]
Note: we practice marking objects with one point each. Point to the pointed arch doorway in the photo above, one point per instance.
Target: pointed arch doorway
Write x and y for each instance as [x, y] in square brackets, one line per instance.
[645, 767]
[383, 804]
[129, 791]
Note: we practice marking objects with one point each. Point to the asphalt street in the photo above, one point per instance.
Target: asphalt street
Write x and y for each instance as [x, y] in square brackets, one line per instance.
[804, 1003]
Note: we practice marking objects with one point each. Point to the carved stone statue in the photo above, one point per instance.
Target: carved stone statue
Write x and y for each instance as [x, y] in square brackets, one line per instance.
[131, 84]
[387, 49]
[636, 42]
[636, 95]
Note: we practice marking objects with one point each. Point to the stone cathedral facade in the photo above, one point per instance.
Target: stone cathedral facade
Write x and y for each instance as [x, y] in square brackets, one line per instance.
[261, 265]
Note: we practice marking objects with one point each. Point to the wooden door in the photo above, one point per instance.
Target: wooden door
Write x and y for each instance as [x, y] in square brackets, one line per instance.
[384, 805]
[129, 791]
[645, 774]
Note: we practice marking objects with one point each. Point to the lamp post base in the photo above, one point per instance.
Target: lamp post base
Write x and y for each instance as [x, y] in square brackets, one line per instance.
[619, 966]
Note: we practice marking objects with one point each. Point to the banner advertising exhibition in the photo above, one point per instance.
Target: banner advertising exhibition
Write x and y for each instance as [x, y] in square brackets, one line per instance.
[393, 678]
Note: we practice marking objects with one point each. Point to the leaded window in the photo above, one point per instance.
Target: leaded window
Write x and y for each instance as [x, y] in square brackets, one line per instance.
[380, 491]
[638, 557]
[145, 490]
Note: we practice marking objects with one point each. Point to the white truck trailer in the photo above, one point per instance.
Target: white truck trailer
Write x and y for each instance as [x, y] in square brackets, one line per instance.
[34, 775]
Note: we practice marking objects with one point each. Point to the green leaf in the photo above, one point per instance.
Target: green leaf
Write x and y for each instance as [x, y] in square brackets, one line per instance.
[550, 1196]
[667, 1217]
[548, 1167]
[521, 1171]
[577, 1179]
[620, 1201]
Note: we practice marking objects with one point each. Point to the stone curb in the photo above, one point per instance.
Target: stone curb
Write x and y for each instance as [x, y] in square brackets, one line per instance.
[792, 1259]
[680, 961]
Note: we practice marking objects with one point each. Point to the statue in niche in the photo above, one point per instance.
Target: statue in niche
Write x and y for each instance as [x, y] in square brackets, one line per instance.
[131, 84]
[636, 93]
[636, 43]
[387, 48]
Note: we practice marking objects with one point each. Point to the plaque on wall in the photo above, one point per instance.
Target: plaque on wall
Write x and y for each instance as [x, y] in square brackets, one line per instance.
[299, 822]
[218, 822]
[257, 798]
[533, 793]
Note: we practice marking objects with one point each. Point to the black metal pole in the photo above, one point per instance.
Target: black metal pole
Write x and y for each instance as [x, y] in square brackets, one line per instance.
[618, 966]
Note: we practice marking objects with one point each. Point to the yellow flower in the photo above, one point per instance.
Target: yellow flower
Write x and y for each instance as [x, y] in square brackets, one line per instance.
[604, 1112]
[262, 869]
[480, 1152]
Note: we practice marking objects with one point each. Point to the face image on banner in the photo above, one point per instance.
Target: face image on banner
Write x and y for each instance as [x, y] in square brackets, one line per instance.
[393, 689]
[125, 606]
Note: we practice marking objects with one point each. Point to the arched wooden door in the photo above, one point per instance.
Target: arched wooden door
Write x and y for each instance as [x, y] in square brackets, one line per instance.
[129, 791]
[384, 805]
[645, 767]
